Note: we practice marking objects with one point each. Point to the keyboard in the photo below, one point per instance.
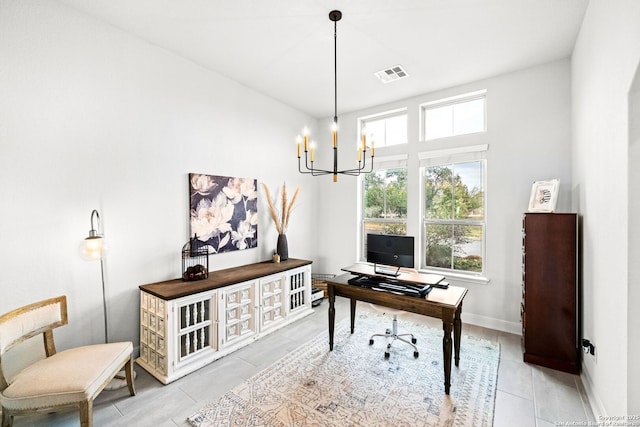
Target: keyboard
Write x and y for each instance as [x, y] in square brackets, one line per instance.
[386, 271]
[390, 285]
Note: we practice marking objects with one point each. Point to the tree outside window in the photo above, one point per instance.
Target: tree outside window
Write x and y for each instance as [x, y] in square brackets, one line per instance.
[384, 203]
[454, 216]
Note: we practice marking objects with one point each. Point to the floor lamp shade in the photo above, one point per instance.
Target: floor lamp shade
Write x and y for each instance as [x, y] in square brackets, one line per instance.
[93, 247]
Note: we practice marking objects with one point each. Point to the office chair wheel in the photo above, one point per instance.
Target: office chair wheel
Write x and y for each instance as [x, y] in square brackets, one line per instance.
[414, 340]
[416, 354]
[371, 341]
[386, 354]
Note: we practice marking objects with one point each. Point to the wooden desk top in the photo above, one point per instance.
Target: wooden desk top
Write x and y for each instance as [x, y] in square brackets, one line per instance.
[449, 298]
[406, 275]
[177, 288]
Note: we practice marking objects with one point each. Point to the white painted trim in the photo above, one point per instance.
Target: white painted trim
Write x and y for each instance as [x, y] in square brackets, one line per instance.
[452, 151]
[456, 99]
[492, 323]
[393, 157]
[593, 400]
[396, 161]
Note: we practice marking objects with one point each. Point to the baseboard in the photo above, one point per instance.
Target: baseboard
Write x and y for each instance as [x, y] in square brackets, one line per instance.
[492, 323]
[593, 400]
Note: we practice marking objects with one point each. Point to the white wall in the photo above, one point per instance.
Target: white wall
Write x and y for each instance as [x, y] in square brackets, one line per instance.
[529, 125]
[604, 63]
[633, 325]
[93, 118]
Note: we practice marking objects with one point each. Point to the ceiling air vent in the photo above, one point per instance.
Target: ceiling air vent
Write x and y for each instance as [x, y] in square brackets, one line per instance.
[391, 74]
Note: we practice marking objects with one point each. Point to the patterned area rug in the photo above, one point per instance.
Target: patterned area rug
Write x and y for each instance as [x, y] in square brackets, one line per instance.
[354, 385]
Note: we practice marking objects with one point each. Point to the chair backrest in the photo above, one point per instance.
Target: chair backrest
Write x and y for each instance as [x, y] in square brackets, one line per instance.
[26, 322]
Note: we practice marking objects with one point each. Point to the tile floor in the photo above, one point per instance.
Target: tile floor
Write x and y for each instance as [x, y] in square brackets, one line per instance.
[527, 395]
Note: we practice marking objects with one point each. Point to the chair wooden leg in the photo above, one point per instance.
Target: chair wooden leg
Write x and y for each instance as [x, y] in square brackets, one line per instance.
[7, 419]
[128, 368]
[86, 413]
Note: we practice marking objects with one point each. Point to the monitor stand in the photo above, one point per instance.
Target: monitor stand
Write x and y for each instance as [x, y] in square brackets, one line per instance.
[386, 271]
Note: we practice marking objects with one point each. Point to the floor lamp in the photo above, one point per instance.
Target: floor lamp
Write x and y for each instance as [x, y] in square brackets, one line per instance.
[94, 248]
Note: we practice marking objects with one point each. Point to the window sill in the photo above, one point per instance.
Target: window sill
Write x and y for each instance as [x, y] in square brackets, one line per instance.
[459, 277]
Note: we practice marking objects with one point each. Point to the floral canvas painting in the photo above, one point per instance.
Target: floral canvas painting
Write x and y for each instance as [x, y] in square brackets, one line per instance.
[223, 212]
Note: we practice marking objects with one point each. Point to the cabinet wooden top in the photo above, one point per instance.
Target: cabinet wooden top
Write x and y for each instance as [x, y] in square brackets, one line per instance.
[177, 288]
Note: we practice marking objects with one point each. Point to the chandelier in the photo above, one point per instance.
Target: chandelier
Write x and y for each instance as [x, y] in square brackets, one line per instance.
[310, 149]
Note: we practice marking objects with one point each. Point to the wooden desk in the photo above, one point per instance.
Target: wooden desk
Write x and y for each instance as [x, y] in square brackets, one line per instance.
[404, 274]
[445, 304]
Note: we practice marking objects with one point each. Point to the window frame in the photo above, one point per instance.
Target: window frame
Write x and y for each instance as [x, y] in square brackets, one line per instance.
[383, 164]
[453, 100]
[444, 158]
[383, 116]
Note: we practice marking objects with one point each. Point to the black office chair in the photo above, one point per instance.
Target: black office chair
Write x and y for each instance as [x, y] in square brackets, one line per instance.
[393, 334]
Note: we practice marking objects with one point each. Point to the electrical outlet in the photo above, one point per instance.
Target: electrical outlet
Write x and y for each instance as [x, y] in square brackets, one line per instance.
[588, 347]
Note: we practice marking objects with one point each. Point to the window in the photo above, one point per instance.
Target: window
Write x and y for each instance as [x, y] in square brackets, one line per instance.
[385, 129]
[454, 116]
[453, 211]
[384, 202]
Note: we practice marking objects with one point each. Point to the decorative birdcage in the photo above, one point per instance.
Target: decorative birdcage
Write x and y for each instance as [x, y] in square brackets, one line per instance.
[195, 260]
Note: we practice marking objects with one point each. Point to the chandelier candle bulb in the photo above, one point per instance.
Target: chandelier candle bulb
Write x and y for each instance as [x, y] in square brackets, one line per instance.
[305, 134]
[334, 131]
[298, 142]
[359, 154]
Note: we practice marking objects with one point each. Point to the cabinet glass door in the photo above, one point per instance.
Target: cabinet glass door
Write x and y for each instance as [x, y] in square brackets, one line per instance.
[297, 288]
[195, 326]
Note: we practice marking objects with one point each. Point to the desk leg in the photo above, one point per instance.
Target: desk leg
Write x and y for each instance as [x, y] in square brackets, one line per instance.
[446, 353]
[332, 314]
[353, 313]
[457, 330]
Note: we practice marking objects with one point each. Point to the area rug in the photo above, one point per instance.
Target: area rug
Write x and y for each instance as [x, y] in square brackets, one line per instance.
[354, 385]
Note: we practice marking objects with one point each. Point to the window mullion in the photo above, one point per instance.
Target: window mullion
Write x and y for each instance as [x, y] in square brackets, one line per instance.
[453, 241]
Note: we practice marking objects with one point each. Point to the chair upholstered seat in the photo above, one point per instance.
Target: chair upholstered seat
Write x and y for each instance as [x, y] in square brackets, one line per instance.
[66, 377]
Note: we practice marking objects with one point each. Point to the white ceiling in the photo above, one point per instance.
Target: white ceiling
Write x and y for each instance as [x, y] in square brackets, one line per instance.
[284, 48]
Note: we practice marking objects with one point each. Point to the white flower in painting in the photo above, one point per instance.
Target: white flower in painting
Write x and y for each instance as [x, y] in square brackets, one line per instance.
[245, 231]
[240, 187]
[211, 219]
[252, 217]
[223, 241]
[202, 184]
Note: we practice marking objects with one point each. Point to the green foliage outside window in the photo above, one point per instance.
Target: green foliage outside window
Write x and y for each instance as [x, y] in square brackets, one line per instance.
[385, 194]
[454, 213]
[385, 202]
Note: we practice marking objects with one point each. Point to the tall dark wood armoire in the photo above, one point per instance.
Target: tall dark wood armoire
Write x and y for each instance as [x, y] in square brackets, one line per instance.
[550, 300]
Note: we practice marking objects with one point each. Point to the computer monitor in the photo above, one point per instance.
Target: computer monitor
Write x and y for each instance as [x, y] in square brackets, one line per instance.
[390, 250]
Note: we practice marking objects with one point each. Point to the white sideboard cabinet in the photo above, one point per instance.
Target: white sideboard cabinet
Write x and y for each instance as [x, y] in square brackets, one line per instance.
[187, 325]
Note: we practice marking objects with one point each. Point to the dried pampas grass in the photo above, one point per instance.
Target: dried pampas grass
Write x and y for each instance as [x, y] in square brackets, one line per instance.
[281, 218]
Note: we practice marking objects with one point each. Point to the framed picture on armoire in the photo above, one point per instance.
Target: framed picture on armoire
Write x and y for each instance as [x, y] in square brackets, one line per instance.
[544, 195]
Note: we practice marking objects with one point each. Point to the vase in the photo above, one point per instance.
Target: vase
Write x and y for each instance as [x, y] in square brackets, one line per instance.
[281, 248]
